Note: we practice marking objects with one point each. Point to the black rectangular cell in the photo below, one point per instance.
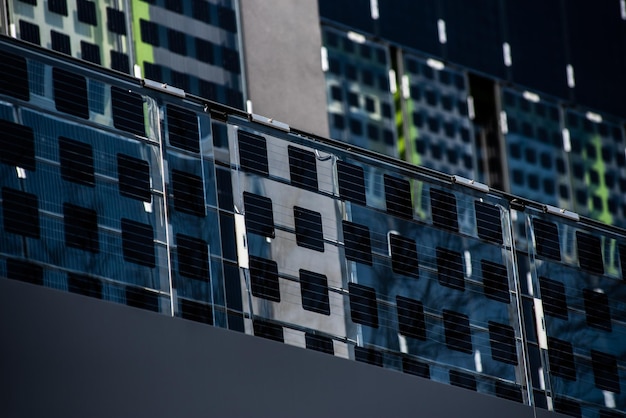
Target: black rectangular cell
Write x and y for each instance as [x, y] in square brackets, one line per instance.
[398, 197]
[227, 19]
[138, 243]
[319, 343]
[188, 193]
[120, 62]
[182, 128]
[457, 331]
[14, 81]
[314, 290]
[488, 223]
[502, 340]
[450, 269]
[24, 271]
[128, 113]
[462, 380]
[134, 177]
[259, 214]
[18, 145]
[547, 239]
[495, 281]
[176, 41]
[224, 188]
[149, 32]
[363, 305]
[90, 52]
[116, 21]
[227, 234]
[232, 286]
[142, 298]
[86, 12]
[610, 413]
[357, 242]
[60, 42]
[622, 259]
[230, 60]
[20, 212]
[369, 356]
[411, 321]
[567, 407]
[84, 285]
[264, 278]
[204, 50]
[81, 228]
[58, 6]
[29, 32]
[403, 256]
[200, 10]
[253, 153]
[597, 310]
[415, 367]
[76, 160]
[266, 329]
[193, 257]
[553, 298]
[70, 93]
[590, 253]
[443, 209]
[302, 168]
[561, 357]
[351, 180]
[196, 311]
[308, 229]
[605, 372]
[508, 391]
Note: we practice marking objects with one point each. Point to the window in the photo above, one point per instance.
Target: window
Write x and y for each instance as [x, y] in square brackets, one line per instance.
[180, 80]
[116, 21]
[567, 407]
[182, 127]
[230, 60]
[127, 111]
[14, 81]
[264, 279]
[561, 357]
[415, 367]
[351, 182]
[398, 197]
[450, 269]
[253, 153]
[196, 311]
[403, 256]
[30, 32]
[84, 285]
[495, 281]
[363, 305]
[86, 12]
[204, 51]
[90, 52]
[357, 244]
[314, 290]
[259, 215]
[18, 145]
[60, 42]
[502, 340]
[70, 93]
[177, 42]
[508, 391]
[597, 309]
[134, 177]
[369, 356]
[443, 209]
[319, 343]
[302, 168]
[152, 71]
[188, 193]
[308, 229]
[175, 6]
[457, 331]
[20, 212]
[622, 259]
[605, 372]
[149, 32]
[58, 6]
[268, 330]
[462, 380]
[553, 298]
[589, 253]
[411, 322]
[226, 19]
[81, 228]
[24, 271]
[119, 62]
[193, 257]
[142, 298]
[138, 243]
[488, 222]
[200, 10]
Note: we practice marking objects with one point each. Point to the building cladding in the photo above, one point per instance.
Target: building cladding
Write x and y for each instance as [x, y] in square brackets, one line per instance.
[115, 189]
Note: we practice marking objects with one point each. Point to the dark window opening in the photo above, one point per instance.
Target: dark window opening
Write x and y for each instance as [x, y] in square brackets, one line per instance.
[193, 257]
[138, 243]
[319, 343]
[314, 290]
[502, 340]
[128, 111]
[18, 145]
[589, 253]
[403, 256]
[259, 215]
[58, 6]
[450, 269]
[363, 305]
[226, 19]
[142, 298]
[177, 42]
[308, 229]
[508, 391]
[120, 62]
[495, 281]
[561, 357]
[204, 51]
[268, 330]
[84, 285]
[605, 372]
[253, 153]
[369, 356]
[597, 309]
[411, 321]
[24, 271]
[29, 32]
[302, 168]
[357, 243]
[90, 52]
[488, 222]
[116, 21]
[351, 182]
[398, 197]
[134, 177]
[196, 311]
[188, 193]
[86, 12]
[415, 367]
[81, 228]
[567, 407]
[60, 42]
[20, 212]
[14, 80]
[149, 32]
[264, 279]
[70, 93]
[443, 209]
[553, 298]
[457, 331]
[462, 380]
